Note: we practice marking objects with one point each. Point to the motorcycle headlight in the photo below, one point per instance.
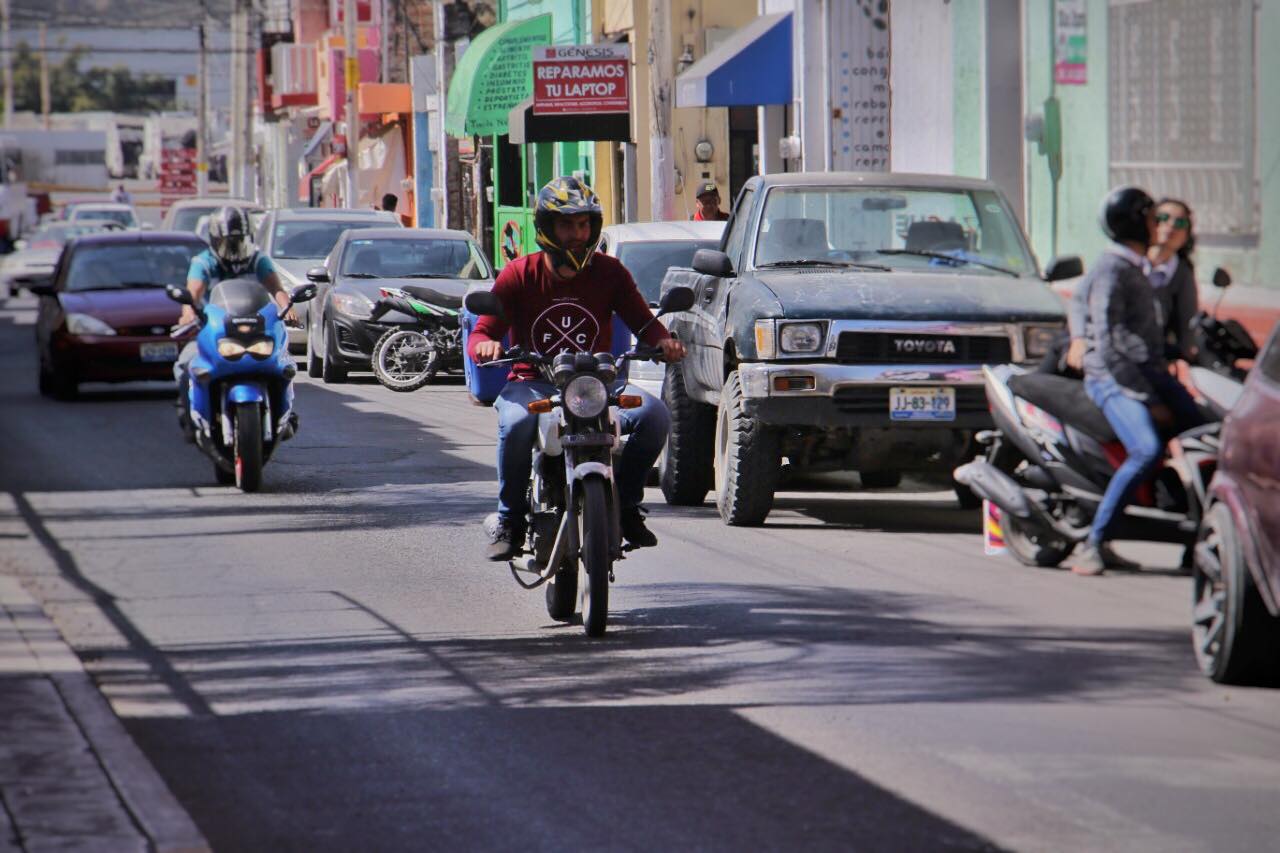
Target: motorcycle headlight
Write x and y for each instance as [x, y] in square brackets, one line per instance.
[800, 337]
[261, 348]
[1039, 339]
[85, 324]
[585, 397]
[230, 348]
[353, 305]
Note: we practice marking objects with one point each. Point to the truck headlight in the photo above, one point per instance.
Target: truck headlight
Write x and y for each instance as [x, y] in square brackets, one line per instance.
[800, 337]
[87, 324]
[353, 305]
[766, 343]
[585, 396]
[1039, 338]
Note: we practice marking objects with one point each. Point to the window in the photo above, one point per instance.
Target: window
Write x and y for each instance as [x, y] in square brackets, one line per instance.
[313, 239]
[70, 157]
[129, 265]
[402, 258]
[649, 261]
[737, 236]
[1182, 120]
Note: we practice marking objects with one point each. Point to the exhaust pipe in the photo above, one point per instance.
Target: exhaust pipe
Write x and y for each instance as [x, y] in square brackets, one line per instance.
[987, 481]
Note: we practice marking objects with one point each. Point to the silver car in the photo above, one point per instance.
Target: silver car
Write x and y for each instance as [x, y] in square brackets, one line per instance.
[647, 250]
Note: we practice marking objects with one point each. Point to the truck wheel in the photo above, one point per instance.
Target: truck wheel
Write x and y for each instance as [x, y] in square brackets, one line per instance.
[748, 458]
[685, 470]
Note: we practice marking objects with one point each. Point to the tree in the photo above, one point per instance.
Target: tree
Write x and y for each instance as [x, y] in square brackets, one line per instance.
[72, 89]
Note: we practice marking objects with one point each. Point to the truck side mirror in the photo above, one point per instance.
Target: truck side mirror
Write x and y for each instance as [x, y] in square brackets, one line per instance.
[712, 262]
[1066, 267]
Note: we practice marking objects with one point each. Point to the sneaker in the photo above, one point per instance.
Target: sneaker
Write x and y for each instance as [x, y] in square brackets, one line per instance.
[634, 531]
[1087, 560]
[505, 540]
[1115, 561]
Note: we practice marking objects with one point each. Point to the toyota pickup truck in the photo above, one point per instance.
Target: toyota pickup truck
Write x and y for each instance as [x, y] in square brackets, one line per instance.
[842, 325]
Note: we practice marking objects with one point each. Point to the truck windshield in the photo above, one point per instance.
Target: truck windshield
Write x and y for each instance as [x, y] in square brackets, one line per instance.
[918, 229]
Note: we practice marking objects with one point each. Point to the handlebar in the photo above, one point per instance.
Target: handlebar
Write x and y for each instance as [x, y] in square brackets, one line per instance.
[182, 329]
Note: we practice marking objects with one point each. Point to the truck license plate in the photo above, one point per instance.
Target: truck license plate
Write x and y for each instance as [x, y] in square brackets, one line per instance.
[158, 352]
[922, 404]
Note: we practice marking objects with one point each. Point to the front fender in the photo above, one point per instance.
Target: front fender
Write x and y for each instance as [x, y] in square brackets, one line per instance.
[246, 392]
[1224, 489]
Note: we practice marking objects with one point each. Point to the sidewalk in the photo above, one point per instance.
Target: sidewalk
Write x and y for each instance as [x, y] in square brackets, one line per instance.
[70, 776]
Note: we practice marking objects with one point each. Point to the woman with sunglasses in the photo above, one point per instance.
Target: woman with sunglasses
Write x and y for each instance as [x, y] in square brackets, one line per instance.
[1172, 276]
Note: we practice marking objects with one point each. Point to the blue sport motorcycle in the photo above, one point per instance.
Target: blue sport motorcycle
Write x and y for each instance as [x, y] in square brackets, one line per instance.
[239, 385]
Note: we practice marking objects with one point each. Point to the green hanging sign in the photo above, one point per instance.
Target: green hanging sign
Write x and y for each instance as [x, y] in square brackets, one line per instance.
[494, 74]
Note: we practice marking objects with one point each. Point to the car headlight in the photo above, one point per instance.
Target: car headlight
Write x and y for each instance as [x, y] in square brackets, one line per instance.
[585, 397]
[353, 305]
[766, 343]
[800, 337]
[261, 348]
[1039, 339]
[230, 348]
[85, 324]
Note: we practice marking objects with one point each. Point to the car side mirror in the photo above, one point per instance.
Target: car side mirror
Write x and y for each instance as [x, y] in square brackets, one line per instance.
[1066, 267]
[318, 274]
[483, 303]
[41, 288]
[712, 262]
[178, 294]
[1221, 278]
[303, 293]
[676, 299]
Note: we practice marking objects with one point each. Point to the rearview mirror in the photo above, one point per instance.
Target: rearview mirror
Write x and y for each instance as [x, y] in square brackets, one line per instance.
[303, 293]
[678, 298]
[318, 274]
[1061, 268]
[483, 303]
[1221, 278]
[178, 294]
[712, 262]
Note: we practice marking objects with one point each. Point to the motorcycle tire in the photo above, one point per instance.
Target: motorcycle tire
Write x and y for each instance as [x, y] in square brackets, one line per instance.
[248, 447]
[596, 563]
[395, 377]
[562, 592]
[1033, 547]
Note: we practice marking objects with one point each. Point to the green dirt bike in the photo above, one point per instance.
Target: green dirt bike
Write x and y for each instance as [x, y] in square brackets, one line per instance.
[410, 355]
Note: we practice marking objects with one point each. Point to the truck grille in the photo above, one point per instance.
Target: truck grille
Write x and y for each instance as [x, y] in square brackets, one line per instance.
[874, 400]
[907, 348]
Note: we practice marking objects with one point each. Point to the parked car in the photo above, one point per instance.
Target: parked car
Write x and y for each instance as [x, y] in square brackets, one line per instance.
[34, 257]
[844, 325]
[123, 214]
[105, 316]
[341, 333]
[1236, 590]
[648, 250]
[299, 239]
[183, 215]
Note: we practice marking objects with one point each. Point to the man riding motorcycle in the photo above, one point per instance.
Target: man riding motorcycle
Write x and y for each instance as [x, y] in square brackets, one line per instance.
[563, 299]
[231, 254]
[1126, 374]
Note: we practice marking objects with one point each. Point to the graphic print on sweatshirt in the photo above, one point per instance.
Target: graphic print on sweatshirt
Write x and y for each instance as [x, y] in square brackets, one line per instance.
[565, 327]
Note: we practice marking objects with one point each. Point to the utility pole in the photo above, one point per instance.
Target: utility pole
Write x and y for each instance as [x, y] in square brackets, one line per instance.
[351, 73]
[235, 156]
[661, 178]
[202, 120]
[8, 62]
[44, 73]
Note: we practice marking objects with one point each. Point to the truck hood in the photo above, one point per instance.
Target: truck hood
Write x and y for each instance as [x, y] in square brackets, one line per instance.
[911, 296]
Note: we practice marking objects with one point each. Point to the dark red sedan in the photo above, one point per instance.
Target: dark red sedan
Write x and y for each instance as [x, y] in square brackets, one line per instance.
[105, 316]
[1236, 616]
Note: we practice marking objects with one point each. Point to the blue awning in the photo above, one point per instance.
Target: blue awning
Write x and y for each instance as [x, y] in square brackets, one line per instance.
[752, 67]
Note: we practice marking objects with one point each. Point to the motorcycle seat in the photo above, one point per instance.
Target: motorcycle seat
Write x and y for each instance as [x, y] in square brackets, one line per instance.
[1066, 400]
[432, 296]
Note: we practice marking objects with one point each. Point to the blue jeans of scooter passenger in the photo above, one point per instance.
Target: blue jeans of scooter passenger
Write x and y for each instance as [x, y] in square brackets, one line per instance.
[1131, 420]
[645, 426]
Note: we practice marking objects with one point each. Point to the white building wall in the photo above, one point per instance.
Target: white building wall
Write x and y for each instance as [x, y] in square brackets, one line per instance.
[922, 84]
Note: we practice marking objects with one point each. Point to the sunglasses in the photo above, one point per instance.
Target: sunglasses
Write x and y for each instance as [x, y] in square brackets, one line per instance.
[1179, 222]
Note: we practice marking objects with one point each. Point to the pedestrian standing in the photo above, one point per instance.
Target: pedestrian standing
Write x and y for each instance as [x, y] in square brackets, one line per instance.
[1173, 277]
[122, 196]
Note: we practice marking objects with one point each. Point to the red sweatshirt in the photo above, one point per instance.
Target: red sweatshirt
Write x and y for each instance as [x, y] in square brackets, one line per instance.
[549, 315]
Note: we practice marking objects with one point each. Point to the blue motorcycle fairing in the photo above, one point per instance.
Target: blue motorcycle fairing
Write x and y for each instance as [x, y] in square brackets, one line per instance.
[246, 393]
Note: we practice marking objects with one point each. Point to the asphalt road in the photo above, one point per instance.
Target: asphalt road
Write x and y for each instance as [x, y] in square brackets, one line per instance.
[328, 665]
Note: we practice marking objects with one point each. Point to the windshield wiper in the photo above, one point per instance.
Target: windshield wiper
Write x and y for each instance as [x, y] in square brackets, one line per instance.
[824, 262]
[426, 275]
[954, 259]
[360, 275]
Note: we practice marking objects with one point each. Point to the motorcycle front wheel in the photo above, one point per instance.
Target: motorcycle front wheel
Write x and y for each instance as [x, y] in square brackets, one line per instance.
[596, 563]
[400, 370]
[248, 447]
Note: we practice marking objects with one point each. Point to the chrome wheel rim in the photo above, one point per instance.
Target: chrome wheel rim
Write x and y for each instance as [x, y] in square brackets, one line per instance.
[399, 367]
[1209, 599]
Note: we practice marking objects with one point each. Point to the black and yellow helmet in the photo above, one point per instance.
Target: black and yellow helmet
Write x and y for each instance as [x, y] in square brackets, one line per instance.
[566, 197]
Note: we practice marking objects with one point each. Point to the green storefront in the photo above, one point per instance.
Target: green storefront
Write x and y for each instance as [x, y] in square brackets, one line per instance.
[492, 77]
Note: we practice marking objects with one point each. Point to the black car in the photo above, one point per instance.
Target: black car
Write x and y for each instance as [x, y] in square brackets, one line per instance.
[341, 333]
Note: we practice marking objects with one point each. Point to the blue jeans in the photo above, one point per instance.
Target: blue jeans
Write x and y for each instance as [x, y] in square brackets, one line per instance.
[646, 426]
[1131, 420]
